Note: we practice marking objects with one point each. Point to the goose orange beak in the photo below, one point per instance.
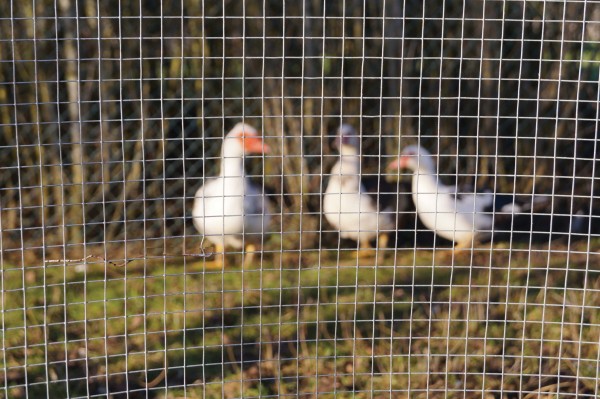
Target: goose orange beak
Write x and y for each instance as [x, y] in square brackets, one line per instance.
[255, 145]
[399, 163]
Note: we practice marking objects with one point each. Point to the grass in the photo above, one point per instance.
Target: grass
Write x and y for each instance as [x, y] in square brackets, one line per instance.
[307, 324]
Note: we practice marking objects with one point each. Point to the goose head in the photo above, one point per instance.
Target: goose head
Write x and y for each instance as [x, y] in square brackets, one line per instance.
[243, 139]
[415, 158]
[347, 141]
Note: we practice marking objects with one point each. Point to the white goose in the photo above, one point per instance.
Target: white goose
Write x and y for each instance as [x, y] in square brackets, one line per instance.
[456, 215]
[346, 204]
[229, 211]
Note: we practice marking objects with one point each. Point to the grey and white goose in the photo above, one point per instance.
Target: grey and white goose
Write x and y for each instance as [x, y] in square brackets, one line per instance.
[455, 214]
[348, 206]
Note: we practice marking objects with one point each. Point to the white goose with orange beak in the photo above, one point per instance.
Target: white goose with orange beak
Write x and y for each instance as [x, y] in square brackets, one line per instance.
[230, 211]
[460, 215]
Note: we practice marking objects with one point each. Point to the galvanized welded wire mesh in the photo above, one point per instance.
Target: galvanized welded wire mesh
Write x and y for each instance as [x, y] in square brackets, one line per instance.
[113, 113]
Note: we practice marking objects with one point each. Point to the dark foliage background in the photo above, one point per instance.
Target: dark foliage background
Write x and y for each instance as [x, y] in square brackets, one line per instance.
[110, 117]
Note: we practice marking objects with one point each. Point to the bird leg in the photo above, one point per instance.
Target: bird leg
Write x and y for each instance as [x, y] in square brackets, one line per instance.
[382, 244]
[249, 255]
[366, 251]
[460, 247]
[219, 260]
[467, 246]
[464, 245]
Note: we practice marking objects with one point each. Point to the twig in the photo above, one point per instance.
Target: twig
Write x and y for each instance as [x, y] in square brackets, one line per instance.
[97, 257]
[126, 261]
[547, 388]
[229, 350]
[158, 379]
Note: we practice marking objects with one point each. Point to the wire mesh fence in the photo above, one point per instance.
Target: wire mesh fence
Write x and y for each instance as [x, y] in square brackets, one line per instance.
[318, 259]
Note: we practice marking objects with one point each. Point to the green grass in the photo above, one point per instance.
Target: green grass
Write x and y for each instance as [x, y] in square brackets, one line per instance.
[481, 322]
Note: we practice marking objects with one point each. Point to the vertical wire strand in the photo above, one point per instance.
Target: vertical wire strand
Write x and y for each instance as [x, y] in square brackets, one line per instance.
[584, 292]
[299, 296]
[163, 144]
[382, 137]
[263, 122]
[395, 265]
[281, 283]
[224, 118]
[469, 300]
[103, 179]
[320, 225]
[357, 287]
[20, 187]
[124, 167]
[63, 222]
[430, 331]
[459, 96]
[509, 266]
[244, 183]
[490, 263]
[421, 60]
[203, 324]
[265, 198]
[146, 275]
[395, 18]
[184, 334]
[411, 318]
[337, 320]
[553, 190]
[38, 127]
[539, 83]
[82, 163]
